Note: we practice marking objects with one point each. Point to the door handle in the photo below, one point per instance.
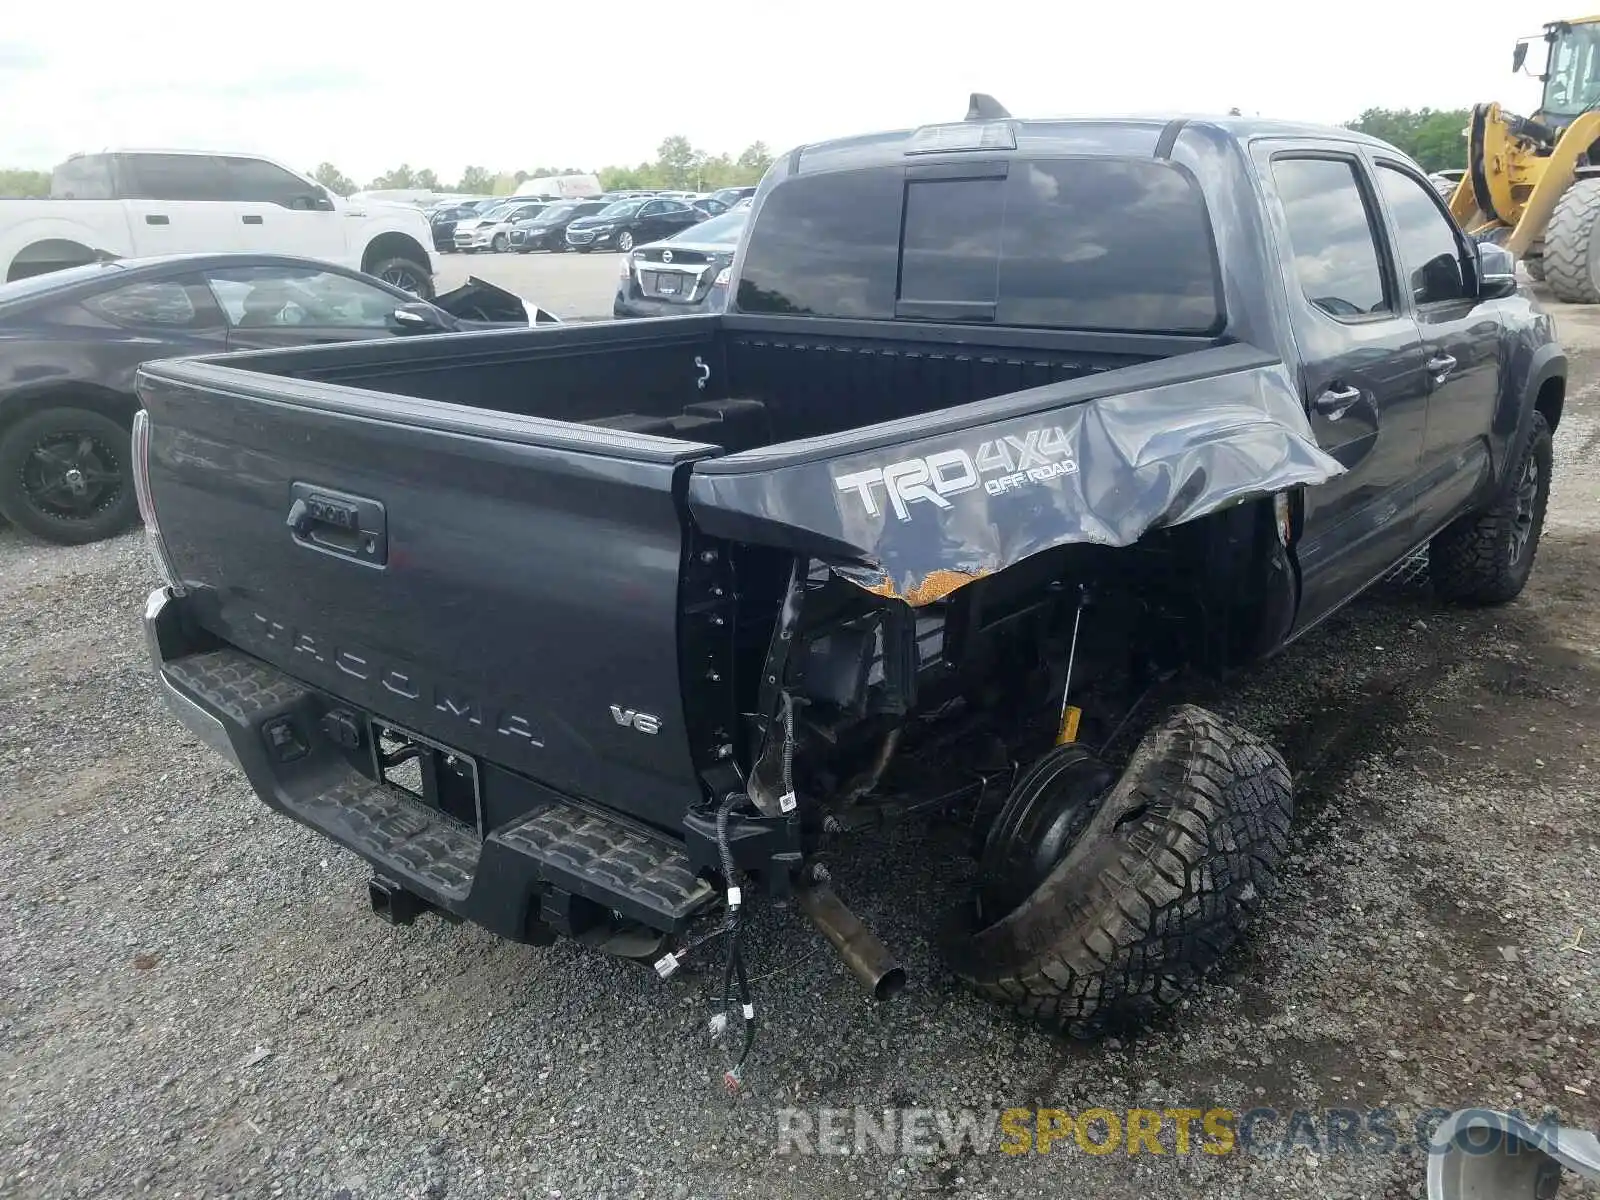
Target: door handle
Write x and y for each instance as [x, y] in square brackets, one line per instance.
[156, 219]
[1336, 401]
[338, 523]
[1441, 365]
[251, 218]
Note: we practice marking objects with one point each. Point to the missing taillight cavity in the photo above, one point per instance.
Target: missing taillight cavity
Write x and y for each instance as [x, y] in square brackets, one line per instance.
[147, 504]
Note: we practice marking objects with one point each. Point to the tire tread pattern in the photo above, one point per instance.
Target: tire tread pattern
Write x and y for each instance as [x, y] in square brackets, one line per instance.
[1567, 244]
[1164, 881]
[1469, 560]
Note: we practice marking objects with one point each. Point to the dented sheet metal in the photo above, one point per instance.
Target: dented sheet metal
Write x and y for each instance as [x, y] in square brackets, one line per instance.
[1078, 462]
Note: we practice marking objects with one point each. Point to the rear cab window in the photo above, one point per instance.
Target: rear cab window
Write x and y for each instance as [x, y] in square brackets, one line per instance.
[1088, 243]
[83, 177]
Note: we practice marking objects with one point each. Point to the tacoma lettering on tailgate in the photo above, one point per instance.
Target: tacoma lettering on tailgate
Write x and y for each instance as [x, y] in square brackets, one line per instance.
[400, 680]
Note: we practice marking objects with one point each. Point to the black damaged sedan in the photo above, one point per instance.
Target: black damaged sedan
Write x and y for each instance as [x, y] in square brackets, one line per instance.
[70, 342]
[687, 273]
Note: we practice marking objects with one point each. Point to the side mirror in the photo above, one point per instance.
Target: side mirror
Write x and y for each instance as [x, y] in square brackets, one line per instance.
[316, 200]
[1519, 56]
[417, 318]
[1497, 272]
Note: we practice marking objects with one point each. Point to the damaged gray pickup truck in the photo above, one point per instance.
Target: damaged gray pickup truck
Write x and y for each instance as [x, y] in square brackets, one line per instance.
[610, 631]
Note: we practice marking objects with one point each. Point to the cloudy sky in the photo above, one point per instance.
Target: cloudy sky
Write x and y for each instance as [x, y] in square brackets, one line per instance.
[447, 84]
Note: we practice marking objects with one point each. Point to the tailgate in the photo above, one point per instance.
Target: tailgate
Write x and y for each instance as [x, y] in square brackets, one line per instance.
[494, 582]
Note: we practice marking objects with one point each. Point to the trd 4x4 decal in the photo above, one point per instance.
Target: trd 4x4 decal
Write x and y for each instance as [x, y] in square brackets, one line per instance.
[998, 466]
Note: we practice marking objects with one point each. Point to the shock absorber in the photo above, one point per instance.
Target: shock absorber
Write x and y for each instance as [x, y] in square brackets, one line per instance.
[1071, 715]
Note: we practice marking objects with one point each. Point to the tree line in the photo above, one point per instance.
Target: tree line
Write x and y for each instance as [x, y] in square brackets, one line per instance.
[678, 165]
[1436, 138]
[1433, 137]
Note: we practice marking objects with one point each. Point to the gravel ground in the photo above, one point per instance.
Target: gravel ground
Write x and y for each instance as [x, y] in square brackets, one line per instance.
[195, 1002]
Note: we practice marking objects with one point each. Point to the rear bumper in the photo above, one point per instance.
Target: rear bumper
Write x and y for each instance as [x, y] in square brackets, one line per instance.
[558, 867]
[162, 622]
[624, 305]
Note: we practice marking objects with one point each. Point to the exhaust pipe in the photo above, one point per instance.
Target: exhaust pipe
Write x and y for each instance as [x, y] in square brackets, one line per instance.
[869, 959]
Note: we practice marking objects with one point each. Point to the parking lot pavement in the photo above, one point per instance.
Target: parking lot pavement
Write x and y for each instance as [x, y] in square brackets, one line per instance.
[194, 1000]
[573, 286]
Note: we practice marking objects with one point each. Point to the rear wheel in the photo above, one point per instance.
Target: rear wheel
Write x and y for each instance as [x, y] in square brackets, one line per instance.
[1571, 247]
[405, 274]
[1156, 878]
[64, 476]
[1486, 558]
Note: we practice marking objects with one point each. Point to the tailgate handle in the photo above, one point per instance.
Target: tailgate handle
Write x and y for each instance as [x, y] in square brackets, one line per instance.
[338, 523]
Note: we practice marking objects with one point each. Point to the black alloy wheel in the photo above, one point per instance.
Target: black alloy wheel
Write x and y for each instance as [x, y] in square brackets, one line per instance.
[64, 476]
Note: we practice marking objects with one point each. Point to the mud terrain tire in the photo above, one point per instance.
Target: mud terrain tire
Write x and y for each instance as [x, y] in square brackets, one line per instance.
[1486, 557]
[1167, 874]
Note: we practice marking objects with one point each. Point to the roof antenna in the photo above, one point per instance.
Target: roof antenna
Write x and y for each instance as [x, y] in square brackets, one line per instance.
[984, 107]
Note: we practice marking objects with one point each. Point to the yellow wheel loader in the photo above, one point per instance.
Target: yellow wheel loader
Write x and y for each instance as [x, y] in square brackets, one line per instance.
[1532, 184]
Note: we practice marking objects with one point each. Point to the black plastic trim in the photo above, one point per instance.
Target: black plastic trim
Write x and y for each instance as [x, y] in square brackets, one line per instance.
[1169, 137]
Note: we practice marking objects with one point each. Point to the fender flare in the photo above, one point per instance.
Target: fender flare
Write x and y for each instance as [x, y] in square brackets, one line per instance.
[374, 227]
[1549, 362]
[1520, 388]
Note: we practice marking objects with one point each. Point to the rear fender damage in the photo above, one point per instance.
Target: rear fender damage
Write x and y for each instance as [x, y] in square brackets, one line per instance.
[916, 519]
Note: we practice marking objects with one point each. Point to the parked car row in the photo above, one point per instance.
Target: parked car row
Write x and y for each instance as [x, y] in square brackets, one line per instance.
[615, 221]
[547, 229]
[491, 228]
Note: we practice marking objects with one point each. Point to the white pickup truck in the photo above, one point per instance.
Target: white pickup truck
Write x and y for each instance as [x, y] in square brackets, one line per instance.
[134, 203]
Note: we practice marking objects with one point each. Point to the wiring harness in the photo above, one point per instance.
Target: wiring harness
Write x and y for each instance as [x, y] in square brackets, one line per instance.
[735, 978]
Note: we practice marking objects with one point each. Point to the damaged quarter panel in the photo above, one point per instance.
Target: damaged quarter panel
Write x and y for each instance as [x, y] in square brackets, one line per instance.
[1100, 460]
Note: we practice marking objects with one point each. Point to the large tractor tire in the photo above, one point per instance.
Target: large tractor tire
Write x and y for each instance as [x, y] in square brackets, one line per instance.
[1571, 247]
[1158, 876]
